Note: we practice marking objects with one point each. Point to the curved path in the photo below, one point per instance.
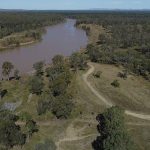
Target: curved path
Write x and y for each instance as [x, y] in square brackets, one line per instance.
[105, 101]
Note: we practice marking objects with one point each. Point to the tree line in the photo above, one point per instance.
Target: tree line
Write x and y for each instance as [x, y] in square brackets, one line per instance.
[13, 22]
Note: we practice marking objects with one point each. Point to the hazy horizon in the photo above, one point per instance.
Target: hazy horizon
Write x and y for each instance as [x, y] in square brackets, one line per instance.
[75, 5]
[90, 9]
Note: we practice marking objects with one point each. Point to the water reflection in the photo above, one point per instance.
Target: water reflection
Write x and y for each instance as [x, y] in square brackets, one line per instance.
[63, 39]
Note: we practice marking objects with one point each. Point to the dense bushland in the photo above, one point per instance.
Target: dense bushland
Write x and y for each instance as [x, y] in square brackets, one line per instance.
[12, 22]
[125, 41]
[126, 29]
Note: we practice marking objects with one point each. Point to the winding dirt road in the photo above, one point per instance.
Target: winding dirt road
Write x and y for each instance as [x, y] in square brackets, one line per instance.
[104, 100]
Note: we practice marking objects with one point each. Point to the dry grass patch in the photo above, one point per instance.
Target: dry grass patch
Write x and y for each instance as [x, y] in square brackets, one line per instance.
[133, 93]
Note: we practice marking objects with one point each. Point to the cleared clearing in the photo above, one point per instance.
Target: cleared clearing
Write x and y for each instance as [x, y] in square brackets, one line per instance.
[107, 102]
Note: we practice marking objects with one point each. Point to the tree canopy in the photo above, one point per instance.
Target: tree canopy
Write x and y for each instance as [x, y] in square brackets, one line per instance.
[13, 22]
[10, 133]
[7, 68]
[113, 134]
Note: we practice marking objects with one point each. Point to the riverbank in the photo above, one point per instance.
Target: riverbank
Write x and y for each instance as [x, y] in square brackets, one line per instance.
[21, 28]
[93, 32]
[21, 39]
[15, 46]
[63, 38]
[24, 38]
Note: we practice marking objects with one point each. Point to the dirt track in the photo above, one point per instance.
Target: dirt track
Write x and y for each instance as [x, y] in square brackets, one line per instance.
[104, 100]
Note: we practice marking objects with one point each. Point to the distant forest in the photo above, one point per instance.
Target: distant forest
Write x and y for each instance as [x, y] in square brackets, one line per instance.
[127, 28]
[13, 22]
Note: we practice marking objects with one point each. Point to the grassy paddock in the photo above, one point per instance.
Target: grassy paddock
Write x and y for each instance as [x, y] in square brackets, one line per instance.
[133, 93]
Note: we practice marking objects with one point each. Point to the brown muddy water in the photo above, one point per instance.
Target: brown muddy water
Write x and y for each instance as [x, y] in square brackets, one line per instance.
[63, 39]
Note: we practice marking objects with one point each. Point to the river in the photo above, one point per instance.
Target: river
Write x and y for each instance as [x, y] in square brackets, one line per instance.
[63, 39]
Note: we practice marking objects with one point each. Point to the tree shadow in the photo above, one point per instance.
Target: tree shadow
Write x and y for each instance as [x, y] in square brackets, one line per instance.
[3, 93]
[97, 143]
[14, 78]
[11, 78]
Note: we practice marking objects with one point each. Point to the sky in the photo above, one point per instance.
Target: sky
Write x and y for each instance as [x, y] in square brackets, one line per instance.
[74, 4]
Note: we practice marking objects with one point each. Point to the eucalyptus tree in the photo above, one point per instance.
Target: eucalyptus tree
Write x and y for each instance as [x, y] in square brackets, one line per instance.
[7, 67]
[113, 132]
[39, 66]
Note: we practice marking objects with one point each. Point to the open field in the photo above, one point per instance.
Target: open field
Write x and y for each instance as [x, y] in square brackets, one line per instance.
[133, 93]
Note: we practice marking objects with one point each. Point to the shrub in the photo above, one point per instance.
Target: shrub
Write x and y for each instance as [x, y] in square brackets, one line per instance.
[123, 74]
[62, 107]
[36, 85]
[78, 61]
[31, 127]
[24, 116]
[45, 103]
[97, 74]
[115, 83]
